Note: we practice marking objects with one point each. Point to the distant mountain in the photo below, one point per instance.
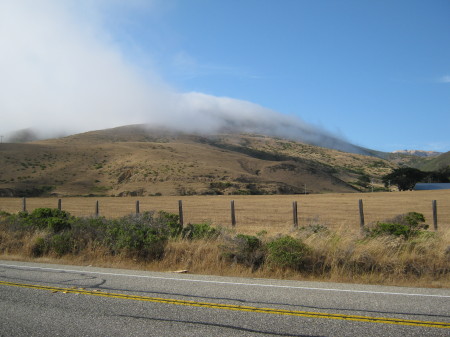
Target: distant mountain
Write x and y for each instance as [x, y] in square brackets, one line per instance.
[419, 153]
[136, 160]
[435, 163]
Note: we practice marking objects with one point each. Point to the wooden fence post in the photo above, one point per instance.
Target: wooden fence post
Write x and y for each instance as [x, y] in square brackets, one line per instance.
[59, 204]
[233, 214]
[295, 213]
[96, 208]
[137, 207]
[180, 212]
[361, 216]
[435, 218]
[24, 204]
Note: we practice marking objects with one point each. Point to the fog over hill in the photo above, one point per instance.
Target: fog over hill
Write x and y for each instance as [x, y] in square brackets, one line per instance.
[277, 125]
[138, 160]
[61, 74]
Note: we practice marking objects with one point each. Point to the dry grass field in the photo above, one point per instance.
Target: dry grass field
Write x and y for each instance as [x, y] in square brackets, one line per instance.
[256, 213]
[338, 255]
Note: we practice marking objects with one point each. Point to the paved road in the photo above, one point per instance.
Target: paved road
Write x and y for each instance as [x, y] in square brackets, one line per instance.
[56, 300]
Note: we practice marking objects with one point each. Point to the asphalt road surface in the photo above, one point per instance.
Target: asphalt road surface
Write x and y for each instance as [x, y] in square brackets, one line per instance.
[57, 300]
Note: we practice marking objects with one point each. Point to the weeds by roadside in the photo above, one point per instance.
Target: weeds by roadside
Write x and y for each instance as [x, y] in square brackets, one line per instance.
[396, 251]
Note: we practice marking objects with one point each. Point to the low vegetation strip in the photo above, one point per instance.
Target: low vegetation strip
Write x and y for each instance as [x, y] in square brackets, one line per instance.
[399, 250]
[272, 311]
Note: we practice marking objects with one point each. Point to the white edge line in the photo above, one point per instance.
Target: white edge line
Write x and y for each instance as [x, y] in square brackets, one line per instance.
[224, 282]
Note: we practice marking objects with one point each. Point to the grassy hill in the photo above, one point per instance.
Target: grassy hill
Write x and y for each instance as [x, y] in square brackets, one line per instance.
[435, 163]
[432, 162]
[132, 160]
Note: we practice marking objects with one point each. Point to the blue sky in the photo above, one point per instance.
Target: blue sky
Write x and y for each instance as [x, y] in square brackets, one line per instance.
[376, 73]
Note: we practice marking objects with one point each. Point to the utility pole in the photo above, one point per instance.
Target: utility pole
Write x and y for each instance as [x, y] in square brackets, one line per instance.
[1, 139]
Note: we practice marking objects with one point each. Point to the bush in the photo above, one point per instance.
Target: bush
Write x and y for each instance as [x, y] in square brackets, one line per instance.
[89, 229]
[141, 235]
[52, 219]
[199, 231]
[406, 225]
[172, 221]
[245, 249]
[414, 219]
[39, 247]
[287, 252]
[252, 243]
[396, 229]
[61, 244]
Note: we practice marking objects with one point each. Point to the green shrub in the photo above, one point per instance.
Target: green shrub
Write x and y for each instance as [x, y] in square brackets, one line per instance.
[245, 249]
[406, 225]
[172, 221]
[199, 231]
[39, 247]
[56, 225]
[252, 243]
[52, 219]
[414, 219]
[16, 222]
[396, 229]
[61, 244]
[87, 231]
[140, 235]
[287, 252]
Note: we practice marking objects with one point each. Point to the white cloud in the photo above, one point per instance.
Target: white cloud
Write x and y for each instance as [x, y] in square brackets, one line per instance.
[445, 79]
[61, 71]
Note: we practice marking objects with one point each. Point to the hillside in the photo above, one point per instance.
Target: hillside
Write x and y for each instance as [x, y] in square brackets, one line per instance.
[419, 153]
[424, 163]
[435, 163]
[132, 160]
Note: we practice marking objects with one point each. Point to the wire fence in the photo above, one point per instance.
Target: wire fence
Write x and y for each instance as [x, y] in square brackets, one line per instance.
[254, 213]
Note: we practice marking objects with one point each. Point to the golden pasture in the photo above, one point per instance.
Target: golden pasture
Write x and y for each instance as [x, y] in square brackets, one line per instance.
[272, 213]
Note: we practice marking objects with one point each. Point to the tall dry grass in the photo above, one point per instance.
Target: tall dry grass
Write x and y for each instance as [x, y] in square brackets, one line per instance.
[337, 255]
[419, 261]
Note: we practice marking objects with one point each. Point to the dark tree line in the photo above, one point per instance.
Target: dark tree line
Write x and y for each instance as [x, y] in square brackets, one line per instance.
[407, 177]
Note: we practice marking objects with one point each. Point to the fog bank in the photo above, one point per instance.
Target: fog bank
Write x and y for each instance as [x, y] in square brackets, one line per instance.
[63, 73]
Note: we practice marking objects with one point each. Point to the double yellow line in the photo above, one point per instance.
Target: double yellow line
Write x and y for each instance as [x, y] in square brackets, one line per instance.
[272, 311]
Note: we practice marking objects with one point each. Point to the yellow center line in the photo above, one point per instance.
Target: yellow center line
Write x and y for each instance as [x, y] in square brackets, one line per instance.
[272, 311]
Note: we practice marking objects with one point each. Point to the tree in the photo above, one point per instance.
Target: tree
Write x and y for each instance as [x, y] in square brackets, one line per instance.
[442, 175]
[404, 177]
